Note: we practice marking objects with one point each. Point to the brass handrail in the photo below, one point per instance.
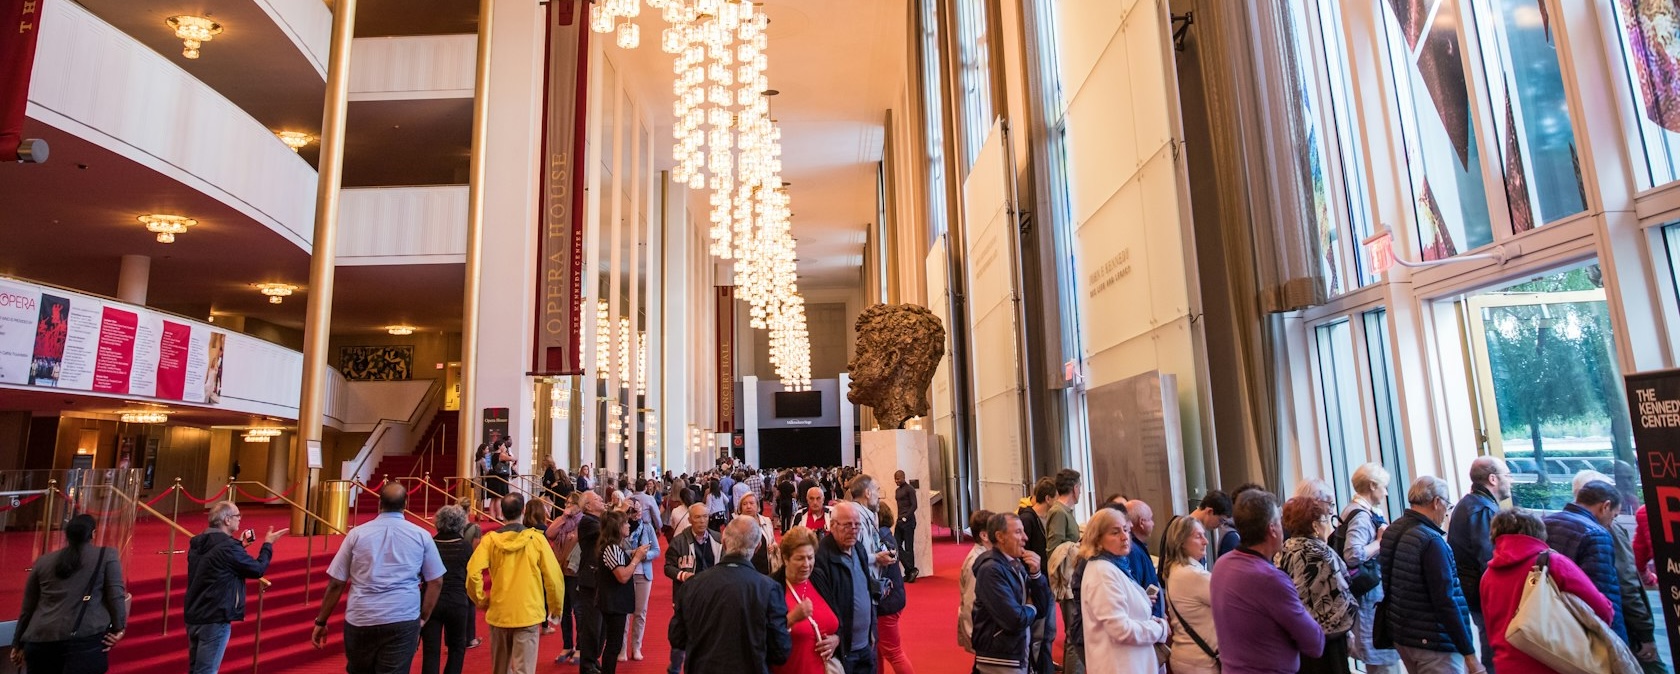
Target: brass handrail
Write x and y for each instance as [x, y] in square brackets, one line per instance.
[427, 488]
[358, 484]
[142, 505]
[477, 482]
[292, 503]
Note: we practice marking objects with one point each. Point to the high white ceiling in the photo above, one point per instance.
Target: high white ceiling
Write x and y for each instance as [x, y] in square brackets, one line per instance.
[839, 65]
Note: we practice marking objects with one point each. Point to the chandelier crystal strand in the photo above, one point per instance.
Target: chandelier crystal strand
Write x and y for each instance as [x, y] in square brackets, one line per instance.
[603, 340]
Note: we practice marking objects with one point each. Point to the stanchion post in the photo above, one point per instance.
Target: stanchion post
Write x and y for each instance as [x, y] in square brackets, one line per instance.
[46, 519]
[169, 557]
[256, 643]
[309, 546]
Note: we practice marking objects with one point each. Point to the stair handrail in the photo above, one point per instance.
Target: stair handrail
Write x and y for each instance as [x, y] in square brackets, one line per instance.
[434, 443]
[358, 484]
[422, 414]
[427, 487]
[277, 494]
[473, 485]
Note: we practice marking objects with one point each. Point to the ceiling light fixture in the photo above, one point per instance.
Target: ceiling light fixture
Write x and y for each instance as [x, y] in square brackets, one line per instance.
[144, 417]
[295, 139]
[166, 226]
[400, 330]
[193, 31]
[275, 291]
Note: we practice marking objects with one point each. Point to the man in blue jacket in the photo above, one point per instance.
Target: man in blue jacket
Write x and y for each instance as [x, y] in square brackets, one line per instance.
[1471, 539]
[1425, 606]
[217, 568]
[1009, 586]
[1142, 567]
[1581, 531]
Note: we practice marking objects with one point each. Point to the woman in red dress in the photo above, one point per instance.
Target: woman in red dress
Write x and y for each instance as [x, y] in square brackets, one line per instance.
[811, 621]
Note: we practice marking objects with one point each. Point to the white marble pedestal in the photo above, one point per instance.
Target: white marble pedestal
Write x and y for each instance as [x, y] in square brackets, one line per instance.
[887, 451]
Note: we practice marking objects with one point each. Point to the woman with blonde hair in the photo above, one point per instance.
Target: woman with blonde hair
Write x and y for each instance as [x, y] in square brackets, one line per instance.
[1364, 523]
[1116, 612]
[1194, 648]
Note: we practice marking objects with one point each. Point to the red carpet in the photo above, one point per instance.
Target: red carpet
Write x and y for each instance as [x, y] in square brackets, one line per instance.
[929, 626]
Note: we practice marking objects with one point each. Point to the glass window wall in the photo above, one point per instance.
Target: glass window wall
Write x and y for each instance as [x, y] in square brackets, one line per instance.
[1645, 31]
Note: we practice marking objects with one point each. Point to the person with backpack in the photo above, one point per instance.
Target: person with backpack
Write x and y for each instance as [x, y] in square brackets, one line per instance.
[1359, 539]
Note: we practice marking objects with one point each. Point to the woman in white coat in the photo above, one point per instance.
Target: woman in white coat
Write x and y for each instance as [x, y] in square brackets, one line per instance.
[1195, 644]
[1120, 632]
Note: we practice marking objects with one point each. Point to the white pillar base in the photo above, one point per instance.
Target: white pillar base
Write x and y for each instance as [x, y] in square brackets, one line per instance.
[887, 451]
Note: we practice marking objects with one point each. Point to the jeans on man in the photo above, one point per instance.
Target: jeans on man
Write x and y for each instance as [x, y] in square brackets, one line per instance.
[513, 650]
[205, 645]
[905, 532]
[449, 627]
[381, 649]
[860, 661]
[1433, 662]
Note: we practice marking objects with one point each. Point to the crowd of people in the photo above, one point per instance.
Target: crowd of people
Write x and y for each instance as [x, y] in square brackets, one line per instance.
[1246, 582]
[1250, 582]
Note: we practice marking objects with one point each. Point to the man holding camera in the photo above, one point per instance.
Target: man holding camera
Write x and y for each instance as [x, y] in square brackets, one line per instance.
[217, 568]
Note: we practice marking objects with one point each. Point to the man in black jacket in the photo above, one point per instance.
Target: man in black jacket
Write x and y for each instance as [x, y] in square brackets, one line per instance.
[842, 579]
[1470, 538]
[731, 618]
[217, 568]
[585, 610]
[692, 552]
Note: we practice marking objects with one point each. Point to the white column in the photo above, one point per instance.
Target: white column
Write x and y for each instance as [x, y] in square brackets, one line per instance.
[588, 405]
[512, 150]
[632, 177]
[676, 371]
[133, 277]
[748, 405]
[848, 421]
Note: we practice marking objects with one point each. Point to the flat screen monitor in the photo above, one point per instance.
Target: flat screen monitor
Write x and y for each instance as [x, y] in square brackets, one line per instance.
[798, 404]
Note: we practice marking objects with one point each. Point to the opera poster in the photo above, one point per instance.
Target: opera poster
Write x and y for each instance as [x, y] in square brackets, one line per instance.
[51, 328]
[213, 368]
[376, 363]
[19, 313]
[1650, 32]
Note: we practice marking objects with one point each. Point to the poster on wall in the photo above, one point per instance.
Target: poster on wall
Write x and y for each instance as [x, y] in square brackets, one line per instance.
[495, 424]
[560, 238]
[1654, 398]
[66, 340]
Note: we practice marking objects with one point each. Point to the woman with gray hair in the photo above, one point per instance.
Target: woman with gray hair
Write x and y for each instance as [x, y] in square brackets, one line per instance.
[452, 618]
[1363, 525]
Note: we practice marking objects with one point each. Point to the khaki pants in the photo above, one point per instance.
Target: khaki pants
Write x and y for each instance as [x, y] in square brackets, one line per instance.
[513, 650]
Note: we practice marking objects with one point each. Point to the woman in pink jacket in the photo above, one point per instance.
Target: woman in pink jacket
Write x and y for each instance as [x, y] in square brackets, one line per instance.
[1519, 536]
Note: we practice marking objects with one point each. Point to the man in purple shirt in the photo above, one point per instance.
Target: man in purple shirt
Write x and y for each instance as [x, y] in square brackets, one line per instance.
[1262, 626]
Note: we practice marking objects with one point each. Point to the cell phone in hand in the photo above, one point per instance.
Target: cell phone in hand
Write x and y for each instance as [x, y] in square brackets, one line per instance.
[247, 537]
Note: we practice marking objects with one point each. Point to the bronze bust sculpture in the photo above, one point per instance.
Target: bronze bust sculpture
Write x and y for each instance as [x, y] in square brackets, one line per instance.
[898, 347]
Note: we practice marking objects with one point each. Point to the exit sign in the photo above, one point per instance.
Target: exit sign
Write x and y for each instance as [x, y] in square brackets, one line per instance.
[1379, 252]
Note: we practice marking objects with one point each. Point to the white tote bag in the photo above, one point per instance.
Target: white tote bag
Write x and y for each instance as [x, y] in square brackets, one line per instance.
[1561, 631]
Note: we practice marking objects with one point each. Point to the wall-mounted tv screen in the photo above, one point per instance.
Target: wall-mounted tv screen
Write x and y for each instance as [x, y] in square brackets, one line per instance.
[798, 404]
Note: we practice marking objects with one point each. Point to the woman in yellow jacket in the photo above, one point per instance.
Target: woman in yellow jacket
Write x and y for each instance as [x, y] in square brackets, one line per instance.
[528, 588]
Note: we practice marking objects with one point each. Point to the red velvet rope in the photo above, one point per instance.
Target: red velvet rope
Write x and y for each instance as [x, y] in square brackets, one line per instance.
[20, 503]
[163, 495]
[254, 497]
[216, 497]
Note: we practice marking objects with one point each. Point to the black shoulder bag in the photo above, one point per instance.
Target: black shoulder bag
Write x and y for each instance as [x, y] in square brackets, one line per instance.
[1200, 642]
[87, 595]
[1364, 578]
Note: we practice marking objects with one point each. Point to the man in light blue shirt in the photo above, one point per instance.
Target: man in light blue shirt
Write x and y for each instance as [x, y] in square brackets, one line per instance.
[395, 574]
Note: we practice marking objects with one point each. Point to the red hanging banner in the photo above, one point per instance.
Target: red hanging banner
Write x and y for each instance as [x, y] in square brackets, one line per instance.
[725, 300]
[560, 207]
[20, 21]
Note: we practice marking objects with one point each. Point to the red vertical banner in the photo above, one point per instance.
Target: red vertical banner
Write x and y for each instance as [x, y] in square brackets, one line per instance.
[560, 208]
[725, 300]
[20, 21]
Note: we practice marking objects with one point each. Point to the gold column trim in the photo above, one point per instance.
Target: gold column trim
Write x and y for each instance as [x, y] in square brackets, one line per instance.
[475, 248]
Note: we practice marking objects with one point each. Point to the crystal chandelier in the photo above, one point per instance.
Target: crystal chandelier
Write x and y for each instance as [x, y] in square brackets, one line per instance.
[603, 340]
[275, 291]
[261, 435]
[625, 336]
[295, 139]
[399, 330]
[559, 398]
[193, 30]
[641, 363]
[144, 417]
[166, 226]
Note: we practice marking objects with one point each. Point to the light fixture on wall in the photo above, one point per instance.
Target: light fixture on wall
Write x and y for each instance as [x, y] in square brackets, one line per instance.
[275, 291]
[144, 417]
[295, 139]
[166, 226]
[193, 31]
[400, 330]
[261, 435]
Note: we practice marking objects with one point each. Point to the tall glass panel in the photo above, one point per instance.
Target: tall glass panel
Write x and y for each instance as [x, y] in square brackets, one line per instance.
[1385, 406]
[1537, 142]
[1550, 385]
[1340, 108]
[1646, 29]
[1338, 388]
[1426, 63]
[1326, 221]
[975, 76]
[933, 120]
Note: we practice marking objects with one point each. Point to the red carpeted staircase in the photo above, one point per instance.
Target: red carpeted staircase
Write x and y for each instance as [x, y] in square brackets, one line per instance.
[435, 453]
